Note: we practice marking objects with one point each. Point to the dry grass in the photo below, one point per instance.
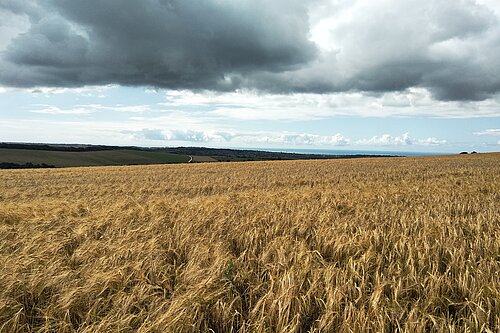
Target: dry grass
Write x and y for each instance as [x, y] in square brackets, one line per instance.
[409, 244]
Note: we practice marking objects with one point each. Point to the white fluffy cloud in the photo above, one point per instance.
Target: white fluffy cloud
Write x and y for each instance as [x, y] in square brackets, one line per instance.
[88, 109]
[201, 136]
[208, 136]
[387, 140]
[489, 132]
[252, 105]
[54, 110]
[278, 138]
[431, 142]
[403, 140]
[303, 139]
[291, 139]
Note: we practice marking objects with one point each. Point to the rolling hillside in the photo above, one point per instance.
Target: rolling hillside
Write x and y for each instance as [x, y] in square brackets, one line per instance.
[89, 158]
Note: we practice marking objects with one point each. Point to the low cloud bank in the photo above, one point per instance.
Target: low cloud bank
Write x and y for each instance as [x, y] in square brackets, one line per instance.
[287, 139]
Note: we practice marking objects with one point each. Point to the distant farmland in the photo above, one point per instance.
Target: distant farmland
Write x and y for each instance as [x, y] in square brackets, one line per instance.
[360, 245]
[89, 158]
[35, 153]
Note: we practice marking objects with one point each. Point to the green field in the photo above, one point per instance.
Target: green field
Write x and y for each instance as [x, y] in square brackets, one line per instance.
[89, 158]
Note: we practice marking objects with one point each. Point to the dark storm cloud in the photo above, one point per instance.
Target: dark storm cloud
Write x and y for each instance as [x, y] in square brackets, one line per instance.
[450, 47]
[164, 43]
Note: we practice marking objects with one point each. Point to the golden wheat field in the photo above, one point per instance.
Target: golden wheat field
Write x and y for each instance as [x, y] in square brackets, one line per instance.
[365, 245]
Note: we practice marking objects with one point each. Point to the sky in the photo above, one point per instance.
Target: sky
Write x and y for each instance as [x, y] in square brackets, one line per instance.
[413, 75]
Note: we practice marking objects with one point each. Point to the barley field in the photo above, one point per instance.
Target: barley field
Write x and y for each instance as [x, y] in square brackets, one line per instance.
[365, 245]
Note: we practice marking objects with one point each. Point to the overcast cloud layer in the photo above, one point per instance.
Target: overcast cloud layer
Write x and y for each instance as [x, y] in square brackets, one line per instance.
[449, 47]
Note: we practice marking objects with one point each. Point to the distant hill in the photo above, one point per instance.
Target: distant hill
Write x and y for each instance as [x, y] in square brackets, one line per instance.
[71, 155]
[87, 158]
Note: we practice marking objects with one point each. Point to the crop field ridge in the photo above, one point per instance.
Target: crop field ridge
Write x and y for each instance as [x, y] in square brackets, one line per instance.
[361, 245]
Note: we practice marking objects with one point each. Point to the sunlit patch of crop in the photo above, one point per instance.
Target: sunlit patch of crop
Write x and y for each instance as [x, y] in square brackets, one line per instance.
[380, 245]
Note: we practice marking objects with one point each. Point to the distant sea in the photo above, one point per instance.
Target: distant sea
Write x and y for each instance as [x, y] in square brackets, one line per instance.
[347, 152]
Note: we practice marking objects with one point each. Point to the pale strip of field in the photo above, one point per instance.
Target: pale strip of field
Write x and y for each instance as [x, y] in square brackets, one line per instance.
[408, 244]
[203, 159]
